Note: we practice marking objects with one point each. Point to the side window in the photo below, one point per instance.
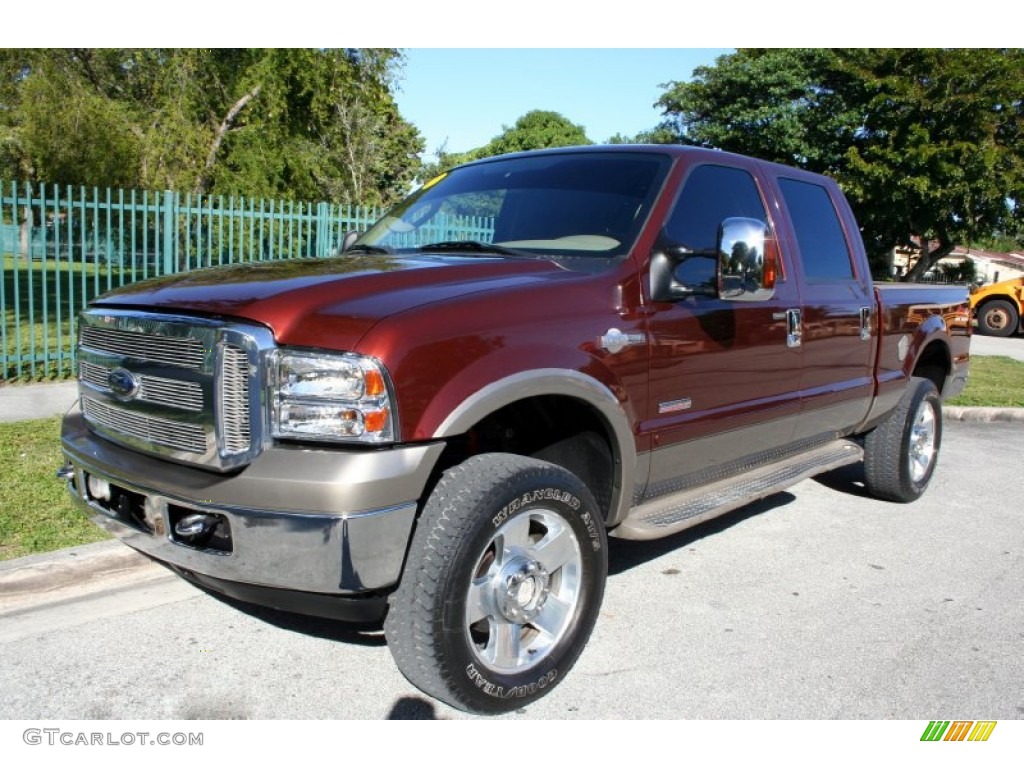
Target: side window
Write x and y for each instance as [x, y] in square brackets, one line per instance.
[711, 194]
[819, 235]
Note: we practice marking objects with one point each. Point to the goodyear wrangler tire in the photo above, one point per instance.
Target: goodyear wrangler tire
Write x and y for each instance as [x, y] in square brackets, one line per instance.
[900, 453]
[502, 584]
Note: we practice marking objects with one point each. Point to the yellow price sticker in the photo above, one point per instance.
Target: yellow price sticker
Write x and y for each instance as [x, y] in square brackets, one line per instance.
[434, 180]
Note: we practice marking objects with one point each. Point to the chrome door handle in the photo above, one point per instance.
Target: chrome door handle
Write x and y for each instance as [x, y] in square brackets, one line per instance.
[865, 323]
[794, 328]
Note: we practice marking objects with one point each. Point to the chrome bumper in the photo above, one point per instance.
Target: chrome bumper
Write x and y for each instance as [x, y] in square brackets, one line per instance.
[310, 520]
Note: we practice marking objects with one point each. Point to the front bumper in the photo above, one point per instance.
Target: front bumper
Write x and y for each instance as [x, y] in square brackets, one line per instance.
[332, 522]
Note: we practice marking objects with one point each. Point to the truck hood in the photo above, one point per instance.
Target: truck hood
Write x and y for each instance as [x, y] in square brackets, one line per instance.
[342, 297]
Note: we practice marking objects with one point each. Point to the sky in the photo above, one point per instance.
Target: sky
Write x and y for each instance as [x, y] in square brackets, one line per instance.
[466, 96]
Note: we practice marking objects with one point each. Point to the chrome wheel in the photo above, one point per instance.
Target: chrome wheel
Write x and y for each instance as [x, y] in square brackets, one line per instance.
[922, 442]
[525, 591]
[502, 584]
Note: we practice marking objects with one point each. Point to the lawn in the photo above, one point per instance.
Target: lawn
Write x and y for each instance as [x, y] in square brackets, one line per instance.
[995, 382]
[35, 512]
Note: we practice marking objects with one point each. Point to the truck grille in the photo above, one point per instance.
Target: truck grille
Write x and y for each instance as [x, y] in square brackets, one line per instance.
[234, 399]
[179, 387]
[184, 352]
[185, 395]
[183, 437]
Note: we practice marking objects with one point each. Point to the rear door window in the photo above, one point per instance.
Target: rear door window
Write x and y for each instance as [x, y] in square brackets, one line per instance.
[824, 251]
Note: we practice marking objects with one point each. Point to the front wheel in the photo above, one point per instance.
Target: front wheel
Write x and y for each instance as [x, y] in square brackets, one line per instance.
[502, 585]
[900, 453]
[998, 318]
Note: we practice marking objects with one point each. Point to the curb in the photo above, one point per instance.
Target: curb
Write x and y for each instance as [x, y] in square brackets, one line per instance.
[65, 567]
[54, 570]
[978, 414]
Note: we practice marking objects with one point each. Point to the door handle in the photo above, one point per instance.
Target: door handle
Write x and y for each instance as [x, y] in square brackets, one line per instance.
[865, 323]
[794, 328]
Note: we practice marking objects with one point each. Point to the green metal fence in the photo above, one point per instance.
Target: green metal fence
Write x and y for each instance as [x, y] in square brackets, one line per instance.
[63, 246]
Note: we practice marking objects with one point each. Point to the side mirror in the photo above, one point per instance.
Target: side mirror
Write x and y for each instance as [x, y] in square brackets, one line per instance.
[747, 260]
[678, 272]
[349, 240]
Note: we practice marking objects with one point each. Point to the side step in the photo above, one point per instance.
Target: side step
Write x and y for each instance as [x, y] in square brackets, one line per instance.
[677, 512]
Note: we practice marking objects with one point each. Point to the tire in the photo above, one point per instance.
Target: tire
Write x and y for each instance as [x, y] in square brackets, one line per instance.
[502, 584]
[900, 453]
[998, 318]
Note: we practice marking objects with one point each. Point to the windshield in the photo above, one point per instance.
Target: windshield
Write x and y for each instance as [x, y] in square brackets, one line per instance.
[572, 204]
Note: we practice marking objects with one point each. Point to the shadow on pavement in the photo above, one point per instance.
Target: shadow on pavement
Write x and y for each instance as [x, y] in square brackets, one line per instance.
[624, 554]
[412, 708]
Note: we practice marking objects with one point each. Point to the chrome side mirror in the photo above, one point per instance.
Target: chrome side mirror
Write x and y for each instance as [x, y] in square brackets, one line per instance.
[747, 261]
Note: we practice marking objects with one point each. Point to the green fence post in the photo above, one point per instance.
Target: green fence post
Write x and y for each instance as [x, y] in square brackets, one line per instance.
[169, 231]
[323, 224]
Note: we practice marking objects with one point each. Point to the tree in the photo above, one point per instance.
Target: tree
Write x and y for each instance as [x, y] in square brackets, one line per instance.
[258, 122]
[537, 129]
[926, 143]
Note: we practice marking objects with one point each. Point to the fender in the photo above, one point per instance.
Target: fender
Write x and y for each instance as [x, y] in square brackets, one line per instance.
[932, 329]
[557, 381]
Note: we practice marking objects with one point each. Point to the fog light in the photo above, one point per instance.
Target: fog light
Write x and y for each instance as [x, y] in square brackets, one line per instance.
[99, 488]
[195, 526]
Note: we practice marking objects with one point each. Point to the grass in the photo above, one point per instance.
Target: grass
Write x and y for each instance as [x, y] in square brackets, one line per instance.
[36, 514]
[994, 382]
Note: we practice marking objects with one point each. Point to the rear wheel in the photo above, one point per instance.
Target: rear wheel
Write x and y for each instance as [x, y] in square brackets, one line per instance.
[502, 585]
[998, 318]
[900, 453]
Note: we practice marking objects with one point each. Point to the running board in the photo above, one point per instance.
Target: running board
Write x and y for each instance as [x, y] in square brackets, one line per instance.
[677, 512]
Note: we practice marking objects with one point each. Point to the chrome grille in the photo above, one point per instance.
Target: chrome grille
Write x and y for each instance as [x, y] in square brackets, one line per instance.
[184, 352]
[234, 400]
[195, 385]
[173, 434]
[185, 395]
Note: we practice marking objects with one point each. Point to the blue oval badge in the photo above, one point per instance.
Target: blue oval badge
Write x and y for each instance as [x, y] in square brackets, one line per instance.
[123, 383]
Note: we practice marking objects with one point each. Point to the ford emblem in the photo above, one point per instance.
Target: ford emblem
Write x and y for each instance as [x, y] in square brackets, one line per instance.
[123, 383]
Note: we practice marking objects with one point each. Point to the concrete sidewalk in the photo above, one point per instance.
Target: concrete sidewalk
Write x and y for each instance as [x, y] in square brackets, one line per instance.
[36, 401]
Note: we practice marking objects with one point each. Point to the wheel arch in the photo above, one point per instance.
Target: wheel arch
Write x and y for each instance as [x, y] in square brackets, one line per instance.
[934, 363]
[568, 402]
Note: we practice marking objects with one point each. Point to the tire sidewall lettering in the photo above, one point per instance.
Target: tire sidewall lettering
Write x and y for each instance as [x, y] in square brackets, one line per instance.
[532, 497]
[509, 691]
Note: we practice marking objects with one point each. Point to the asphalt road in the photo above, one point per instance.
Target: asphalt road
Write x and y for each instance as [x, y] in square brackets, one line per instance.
[816, 603]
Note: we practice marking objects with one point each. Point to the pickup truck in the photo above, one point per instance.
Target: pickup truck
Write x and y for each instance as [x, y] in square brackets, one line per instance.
[440, 428]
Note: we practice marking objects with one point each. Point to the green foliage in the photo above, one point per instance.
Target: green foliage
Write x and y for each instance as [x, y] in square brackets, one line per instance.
[537, 129]
[291, 123]
[926, 143]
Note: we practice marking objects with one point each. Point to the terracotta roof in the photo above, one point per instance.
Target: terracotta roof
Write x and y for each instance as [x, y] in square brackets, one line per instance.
[1013, 259]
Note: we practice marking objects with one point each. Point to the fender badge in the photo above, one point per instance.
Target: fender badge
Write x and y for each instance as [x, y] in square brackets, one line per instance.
[615, 340]
[672, 406]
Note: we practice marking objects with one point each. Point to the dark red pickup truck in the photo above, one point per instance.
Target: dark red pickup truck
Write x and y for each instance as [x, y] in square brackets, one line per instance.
[441, 427]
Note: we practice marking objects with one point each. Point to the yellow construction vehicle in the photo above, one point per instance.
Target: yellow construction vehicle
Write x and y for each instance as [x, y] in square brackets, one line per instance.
[999, 308]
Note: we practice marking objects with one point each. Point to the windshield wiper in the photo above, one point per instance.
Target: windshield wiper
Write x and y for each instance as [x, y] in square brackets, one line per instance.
[360, 248]
[469, 246]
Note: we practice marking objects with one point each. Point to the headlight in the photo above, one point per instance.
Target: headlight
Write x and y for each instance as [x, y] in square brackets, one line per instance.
[318, 396]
